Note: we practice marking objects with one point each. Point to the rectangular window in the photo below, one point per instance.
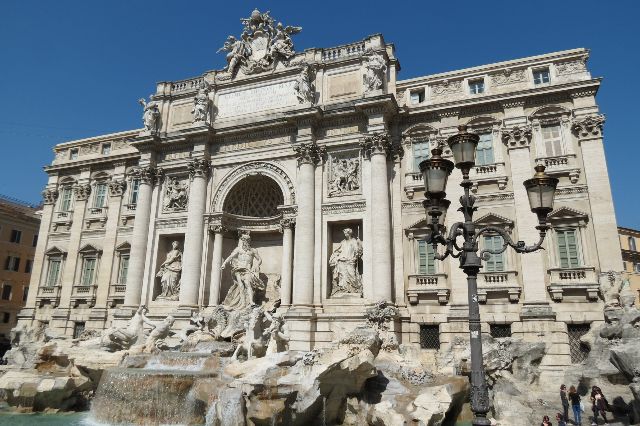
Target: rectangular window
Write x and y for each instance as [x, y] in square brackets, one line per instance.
[34, 241]
[577, 349]
[417, 96]
[6, 292]
[53, 272]
[65, 199]
[16, 236]
[500, 330]
[495, 263]
[637, 268]
[124, 269]
[476, 87]
[420, 153]
[568, 248]
[426, 259]
[135, 186]
[12, 264]
[73, 154]
[484, 150]
[101, 195]
[25, 293]
[541, 76]
[6, 317]
[632, 244]
[78, 328]
[552, 140]
[429, 336]
[106, 148]
[28, 266]
[88, 270]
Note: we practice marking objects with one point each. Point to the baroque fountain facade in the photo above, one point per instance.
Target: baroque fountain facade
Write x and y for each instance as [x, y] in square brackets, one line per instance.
[256, 254]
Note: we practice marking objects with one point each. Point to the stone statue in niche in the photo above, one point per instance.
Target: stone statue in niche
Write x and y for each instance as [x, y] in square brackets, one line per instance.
[169, 274]
[175, 196]
[151, 115]
[344, 176]
[305, 91]
[344, 262]
[202, 105]
[375, 71]
[245, 269]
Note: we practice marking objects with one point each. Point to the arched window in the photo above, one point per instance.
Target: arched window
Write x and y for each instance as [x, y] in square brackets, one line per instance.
[632, 244]
[254, 196]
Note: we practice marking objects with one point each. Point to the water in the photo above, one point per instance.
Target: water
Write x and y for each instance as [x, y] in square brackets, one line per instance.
[71, 419]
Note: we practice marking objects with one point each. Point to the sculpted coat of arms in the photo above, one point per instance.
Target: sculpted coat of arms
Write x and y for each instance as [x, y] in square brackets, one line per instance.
[261, 46]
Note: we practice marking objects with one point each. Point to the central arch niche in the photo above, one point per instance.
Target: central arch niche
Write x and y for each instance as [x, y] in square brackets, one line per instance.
[254, 196]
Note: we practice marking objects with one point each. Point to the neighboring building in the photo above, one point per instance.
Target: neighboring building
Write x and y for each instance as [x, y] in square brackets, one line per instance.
[19, 225]
[630, 246]
[294, 155]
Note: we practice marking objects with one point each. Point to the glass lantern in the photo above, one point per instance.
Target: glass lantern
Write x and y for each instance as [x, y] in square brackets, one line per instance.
[435, 172]
[541, 189]
[463, 146]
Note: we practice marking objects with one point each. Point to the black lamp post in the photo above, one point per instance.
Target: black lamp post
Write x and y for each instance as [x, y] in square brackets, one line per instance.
[435, 171]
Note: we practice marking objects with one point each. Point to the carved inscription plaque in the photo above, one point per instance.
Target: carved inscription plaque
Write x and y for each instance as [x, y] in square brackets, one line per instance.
[257, 99]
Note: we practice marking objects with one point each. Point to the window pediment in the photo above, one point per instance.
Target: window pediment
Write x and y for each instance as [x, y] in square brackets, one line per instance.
[89, 249]
[567, 213]
[550, 114]
[419, 131]
[55, 251]
[494, 219]
[125, 246]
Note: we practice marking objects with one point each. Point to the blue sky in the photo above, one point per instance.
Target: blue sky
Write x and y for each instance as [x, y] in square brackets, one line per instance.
[73, 69]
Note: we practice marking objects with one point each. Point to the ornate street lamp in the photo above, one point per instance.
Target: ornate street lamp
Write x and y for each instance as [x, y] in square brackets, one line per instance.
[435, 171]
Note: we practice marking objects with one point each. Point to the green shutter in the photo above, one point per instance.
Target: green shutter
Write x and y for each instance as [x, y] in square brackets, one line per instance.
[426, 258]
[495, 263]
[88, 271]
[54, 271]
[484, 150]
[568, 248]
[124, 269]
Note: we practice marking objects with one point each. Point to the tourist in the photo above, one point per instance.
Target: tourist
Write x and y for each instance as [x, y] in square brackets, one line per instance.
[546, 421]
[562, 421]
[599, 406]
[565, 401]
[574, 397]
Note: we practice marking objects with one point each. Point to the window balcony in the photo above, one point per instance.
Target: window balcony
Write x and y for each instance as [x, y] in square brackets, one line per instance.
[62, 221]
[422, 286]
[561, 165]
[499, 283]
[116, 294]
[487, 174]
[48, 295]
[97, 218]
[83, 294]
[413, 182]
[580, 280]
[128, 214]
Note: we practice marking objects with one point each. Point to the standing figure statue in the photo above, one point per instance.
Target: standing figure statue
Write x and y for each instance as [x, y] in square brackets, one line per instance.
[201, 105]
[237, 51]
[344, 261]
[376, 69]
[281, 43]
[169, 274]
[245, 269]
[151, 115]
[161, 330]
[304, 87]
[278, 340]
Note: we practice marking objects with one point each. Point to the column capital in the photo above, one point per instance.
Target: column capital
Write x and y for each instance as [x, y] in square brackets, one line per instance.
[287, 223]
[50, 195]
[517, 136]
[82, 191]
[147, 174]
[309, 153]
[589, 126]
[117, 187]
[199, 167]
[217, 228]
[376, 143]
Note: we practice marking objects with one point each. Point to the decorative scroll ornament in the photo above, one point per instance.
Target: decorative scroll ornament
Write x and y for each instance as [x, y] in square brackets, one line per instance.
[202, 105]
[517, 136]
[588, 126]
[376, 69]
[261, 46]
[151, 115]
[82, 191]
[304, 88]
[509, 76]
[309, 153]
[50, 196]
[117, 187]
[376, 143]
[571, 67]
[198, 168]
[148, 175]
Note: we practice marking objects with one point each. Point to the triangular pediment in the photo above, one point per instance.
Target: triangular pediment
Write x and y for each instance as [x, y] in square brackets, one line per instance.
[123, 246]
[55, 251]
[493, 219]
[567, 213]
[89, 248]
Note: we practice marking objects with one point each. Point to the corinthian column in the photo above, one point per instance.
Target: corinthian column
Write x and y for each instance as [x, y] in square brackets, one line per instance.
[192, 257]
[286, 225]
[216, 261]
[133, 294]
[377, 148]
[308, 155]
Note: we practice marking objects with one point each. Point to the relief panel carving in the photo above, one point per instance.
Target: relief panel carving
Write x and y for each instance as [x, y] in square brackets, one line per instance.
[344, 174]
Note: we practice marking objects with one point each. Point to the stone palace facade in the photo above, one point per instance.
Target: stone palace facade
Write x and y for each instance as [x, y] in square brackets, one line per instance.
[310, 160]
